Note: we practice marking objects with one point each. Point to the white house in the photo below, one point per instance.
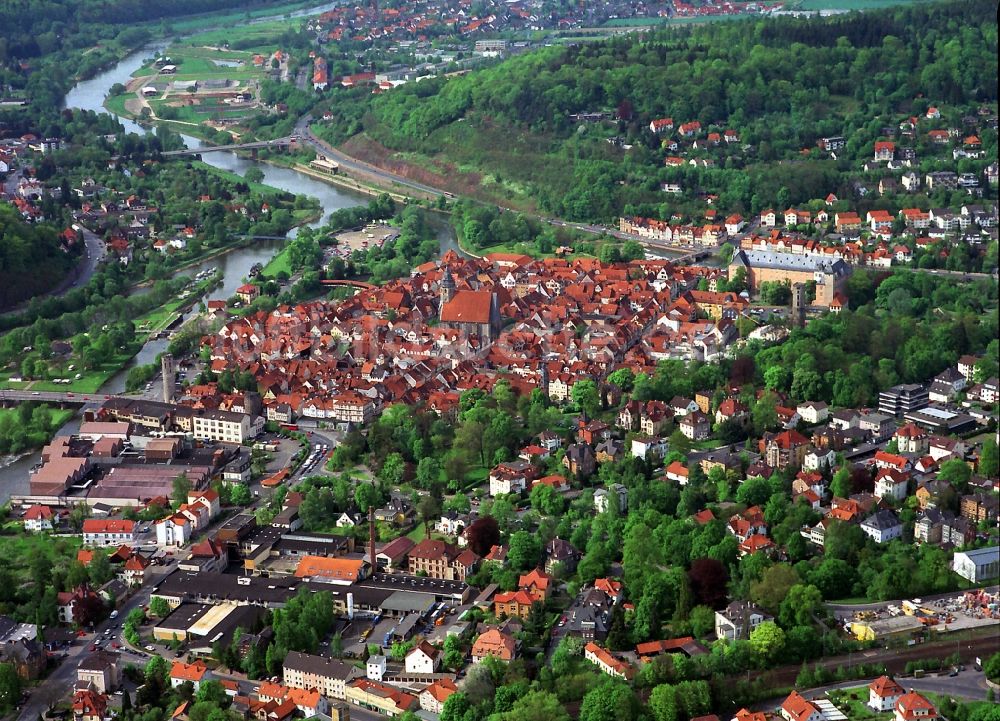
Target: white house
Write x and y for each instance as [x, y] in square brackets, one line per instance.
[433, 697]
[819, 459]
[423, 658]
[375, 668]
[882, 526]
[813, 412]
[890, 483]
[108, 532]
[798, 708]
[183, 672]
[38, 518]
[644, 446]
[173, 531]
[738, 619]
[602, 496]
[883, 693]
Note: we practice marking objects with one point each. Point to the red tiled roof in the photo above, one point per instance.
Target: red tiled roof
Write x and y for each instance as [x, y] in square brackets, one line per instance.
[468, 306]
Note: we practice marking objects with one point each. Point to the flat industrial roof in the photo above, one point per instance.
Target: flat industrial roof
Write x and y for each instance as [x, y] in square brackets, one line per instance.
[409, 602]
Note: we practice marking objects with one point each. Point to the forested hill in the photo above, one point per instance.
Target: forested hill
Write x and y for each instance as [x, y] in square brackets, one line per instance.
[31, 258]
[727, 72]
[37, 27]
[780, 82]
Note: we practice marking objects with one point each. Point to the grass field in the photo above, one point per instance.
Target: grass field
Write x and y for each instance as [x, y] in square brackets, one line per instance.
[236, 18]
[258, 37]
[59, 415]
[279, 263]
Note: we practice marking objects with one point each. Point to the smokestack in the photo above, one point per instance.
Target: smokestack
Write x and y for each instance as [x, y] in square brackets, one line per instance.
[371, 536]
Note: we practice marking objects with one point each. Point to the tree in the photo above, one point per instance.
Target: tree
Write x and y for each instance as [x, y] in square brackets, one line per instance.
[525, 551]
[989, 459]
[10, 687]
[802, 602]
[456, 707]
[765, 413]
[773, 586]
[254, 175]
[702, 620]
[754, 491]
[708, 580]
[545, 499]
[663, 703]
[482, 534]
[586, 397]
[239, 495]
[537, 706]
[180, 489]
[840, 486]
[624, 378]
[768, 641]
[956, 472]
[612, 700]
[428, 508]
[159, 607]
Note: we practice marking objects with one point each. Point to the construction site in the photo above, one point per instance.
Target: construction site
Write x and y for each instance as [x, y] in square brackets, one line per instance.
[915, 619]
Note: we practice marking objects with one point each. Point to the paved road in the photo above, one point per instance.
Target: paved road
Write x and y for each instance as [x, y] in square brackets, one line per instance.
[969, 684]
[53, 396]
[61, 681]
[358, 166]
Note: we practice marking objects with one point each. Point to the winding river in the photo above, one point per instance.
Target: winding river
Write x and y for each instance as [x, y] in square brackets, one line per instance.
[235, 264]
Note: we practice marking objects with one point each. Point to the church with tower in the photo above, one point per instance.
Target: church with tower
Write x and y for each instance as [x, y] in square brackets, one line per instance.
[476, 312]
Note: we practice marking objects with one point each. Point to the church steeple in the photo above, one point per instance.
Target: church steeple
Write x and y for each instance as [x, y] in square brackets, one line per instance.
[446, 288]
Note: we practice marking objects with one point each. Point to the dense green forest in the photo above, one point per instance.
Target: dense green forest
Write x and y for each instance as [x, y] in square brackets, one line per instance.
[31, 258]
[780, 83]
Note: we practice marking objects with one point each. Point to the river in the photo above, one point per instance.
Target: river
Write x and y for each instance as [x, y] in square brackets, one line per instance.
[235, 264]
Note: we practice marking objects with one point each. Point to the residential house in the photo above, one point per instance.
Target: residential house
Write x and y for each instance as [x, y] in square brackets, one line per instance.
[496, 643]
[326, 675]
[422, 658]
[562, 554]
[813, 412]
[512, 603]
[912, 706]
[798, 708]
[182, 672]
[39, 518]
[441, 560]
[883, 693]
[580, 460]
[644, 446]
[537, 584]
[384, 699]
[785, 449]
[89, 705]
[99, 670]
[882, 526]
[603, 496]
[108, 532]
[891, 483]
[606, 662]
[433, 697]
[695, 425]
[738, 619]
